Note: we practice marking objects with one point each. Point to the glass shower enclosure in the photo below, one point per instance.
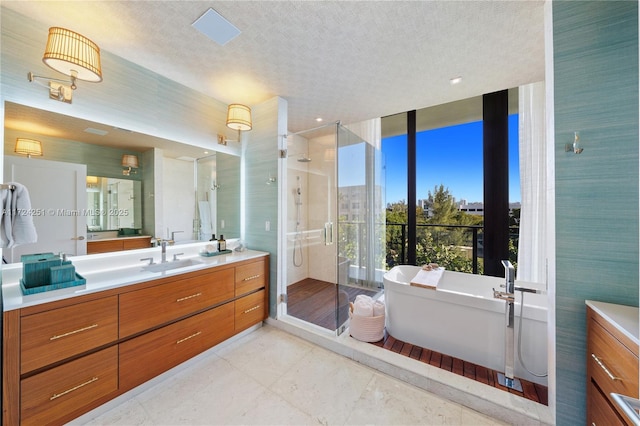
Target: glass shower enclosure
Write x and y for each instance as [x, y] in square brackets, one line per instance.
[335, 224]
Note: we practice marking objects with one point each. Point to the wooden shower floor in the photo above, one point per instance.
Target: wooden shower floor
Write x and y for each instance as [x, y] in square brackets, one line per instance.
[314, 301]
[530, 390]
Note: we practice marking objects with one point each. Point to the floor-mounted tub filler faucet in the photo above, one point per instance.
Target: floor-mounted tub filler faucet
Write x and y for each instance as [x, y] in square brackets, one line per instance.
[508, 379]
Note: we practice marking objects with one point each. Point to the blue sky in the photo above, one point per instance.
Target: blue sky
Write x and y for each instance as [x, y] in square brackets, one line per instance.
[451, 156]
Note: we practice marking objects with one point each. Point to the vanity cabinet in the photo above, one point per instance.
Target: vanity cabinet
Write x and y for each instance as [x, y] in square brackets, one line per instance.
[53, 335]
[64, 358]
[249, 310]
[153, 353]
[118, 244]
[46, 396]
[252, 304]
[169, 302]
[612, 362]
[250, 277]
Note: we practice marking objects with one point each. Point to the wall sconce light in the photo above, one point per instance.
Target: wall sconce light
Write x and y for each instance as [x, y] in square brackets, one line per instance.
[92, 182]
[28, 147]
[71, 54]
[576, 147]
[238, 118]
[130, 162]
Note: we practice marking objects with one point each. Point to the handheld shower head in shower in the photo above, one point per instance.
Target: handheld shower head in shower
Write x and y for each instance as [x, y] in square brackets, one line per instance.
[298, 192]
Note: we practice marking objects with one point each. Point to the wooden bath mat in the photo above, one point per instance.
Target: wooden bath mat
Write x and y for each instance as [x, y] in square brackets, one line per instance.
[530, 390]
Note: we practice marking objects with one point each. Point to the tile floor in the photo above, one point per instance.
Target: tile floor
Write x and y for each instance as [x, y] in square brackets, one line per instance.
[270, 377]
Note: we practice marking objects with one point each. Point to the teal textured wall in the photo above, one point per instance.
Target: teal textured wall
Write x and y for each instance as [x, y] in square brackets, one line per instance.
[595, 46]
[260, 156]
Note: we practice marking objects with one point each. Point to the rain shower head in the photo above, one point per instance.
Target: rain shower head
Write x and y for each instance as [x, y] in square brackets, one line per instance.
[304, 159]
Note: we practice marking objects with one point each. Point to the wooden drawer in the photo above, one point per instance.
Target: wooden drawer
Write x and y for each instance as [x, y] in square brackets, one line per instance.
[250, 310]
[54, 335]
[146, 356]
[250, 277]
[151, 307]
[601, 413]
[611, 364]
[136, 243]
[47, 397]
[103, 246]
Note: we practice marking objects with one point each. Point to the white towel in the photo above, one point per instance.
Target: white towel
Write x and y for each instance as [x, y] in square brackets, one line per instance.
[363, 306]
[378, 308]
[205, 218]
[17, 218]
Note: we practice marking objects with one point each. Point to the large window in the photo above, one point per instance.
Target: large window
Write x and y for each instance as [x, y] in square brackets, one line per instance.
[449, 179]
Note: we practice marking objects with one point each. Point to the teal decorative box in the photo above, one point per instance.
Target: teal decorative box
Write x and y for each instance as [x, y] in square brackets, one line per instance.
[214, 253]
[62, 273]
[78, 280]
[36, 269]
[35, 256]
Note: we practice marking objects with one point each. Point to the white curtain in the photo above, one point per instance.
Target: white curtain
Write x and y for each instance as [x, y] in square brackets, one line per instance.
[533, 183]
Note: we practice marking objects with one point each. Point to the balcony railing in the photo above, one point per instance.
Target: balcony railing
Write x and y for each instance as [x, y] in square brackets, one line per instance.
[462, 241]
[456, 247]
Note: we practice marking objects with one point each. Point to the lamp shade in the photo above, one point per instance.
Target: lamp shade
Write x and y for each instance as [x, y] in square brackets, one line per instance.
[130, 161]
[239, 117]
[28, 147]
[73, 54]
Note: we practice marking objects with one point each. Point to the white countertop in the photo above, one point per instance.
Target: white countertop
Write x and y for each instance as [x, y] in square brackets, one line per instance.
[111, 270]
[622, 317]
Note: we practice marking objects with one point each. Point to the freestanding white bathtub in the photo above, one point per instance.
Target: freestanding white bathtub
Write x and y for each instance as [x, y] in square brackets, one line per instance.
[461, 318]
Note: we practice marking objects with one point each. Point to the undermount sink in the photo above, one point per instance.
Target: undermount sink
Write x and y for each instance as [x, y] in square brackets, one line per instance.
[167, 266]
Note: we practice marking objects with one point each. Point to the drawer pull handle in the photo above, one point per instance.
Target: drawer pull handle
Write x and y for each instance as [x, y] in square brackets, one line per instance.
[252, 309]
[58, 395]
[58, 336]
[252, 277]
[188, 297]
[188, 337]
[604, 367]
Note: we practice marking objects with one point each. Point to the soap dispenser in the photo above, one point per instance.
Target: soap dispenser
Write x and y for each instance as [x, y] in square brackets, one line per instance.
[222, 244]
[214, 241]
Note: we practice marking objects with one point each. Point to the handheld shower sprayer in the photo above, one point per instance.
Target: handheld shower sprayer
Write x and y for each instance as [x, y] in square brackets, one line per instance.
[298, 196]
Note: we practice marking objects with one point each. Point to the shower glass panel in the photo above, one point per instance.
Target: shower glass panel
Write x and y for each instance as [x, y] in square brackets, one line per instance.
[311, 218]
[334, 235]
[360, 221]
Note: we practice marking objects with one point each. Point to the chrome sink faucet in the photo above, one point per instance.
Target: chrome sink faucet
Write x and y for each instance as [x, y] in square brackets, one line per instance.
[164, 251]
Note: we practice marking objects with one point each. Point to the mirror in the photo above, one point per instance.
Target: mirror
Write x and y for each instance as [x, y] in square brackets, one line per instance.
[113, 204]
[165, 166]
[218, 192]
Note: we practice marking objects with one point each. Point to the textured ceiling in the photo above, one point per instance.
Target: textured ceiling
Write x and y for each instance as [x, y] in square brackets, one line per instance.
[339, 60]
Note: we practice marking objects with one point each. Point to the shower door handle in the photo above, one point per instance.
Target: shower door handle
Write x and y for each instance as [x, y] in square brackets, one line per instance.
[328, 233]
